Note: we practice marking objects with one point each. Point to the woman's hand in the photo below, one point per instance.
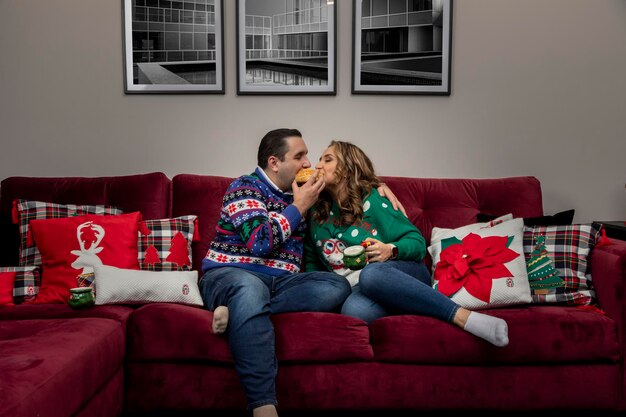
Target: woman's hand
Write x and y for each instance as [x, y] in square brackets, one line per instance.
[386, 192]
[378, 251]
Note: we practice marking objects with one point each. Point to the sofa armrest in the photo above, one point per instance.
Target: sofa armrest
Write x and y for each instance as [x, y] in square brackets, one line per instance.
[608, 272]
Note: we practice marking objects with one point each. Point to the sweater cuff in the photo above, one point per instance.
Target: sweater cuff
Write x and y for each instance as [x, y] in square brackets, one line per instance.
[292, 214]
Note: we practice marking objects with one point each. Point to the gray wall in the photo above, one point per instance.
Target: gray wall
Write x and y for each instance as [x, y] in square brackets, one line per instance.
[538, 88]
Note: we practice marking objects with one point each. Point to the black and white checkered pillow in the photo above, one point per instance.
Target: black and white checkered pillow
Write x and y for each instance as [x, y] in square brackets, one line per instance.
[167, 247]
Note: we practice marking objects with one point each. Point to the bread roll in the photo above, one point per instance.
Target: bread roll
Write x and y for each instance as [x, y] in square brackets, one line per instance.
[304, 174]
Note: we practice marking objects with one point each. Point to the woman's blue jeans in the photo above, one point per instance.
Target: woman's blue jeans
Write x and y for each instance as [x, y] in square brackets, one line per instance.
[397, 287]
[251, 297]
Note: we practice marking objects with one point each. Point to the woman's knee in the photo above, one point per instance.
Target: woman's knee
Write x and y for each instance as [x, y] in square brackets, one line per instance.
[372, 275]
[361, 307]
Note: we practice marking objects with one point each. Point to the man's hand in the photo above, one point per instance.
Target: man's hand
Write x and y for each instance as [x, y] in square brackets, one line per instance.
[378, 251]
[385, 191]
[305, 195]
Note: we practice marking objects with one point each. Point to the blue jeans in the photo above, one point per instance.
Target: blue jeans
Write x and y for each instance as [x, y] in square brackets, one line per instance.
[397, 287]
[251, 297]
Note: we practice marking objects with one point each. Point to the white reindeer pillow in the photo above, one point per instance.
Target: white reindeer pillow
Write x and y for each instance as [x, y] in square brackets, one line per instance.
[72, 246]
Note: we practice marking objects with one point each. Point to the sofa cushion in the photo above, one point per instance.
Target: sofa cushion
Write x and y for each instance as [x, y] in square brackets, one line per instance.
[64, 311]
[54, 367]
[169, 332]
[537, 334]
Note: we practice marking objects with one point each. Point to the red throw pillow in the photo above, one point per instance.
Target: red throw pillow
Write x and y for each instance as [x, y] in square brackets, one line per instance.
[72, 246]
[26, 210]
[6, 288]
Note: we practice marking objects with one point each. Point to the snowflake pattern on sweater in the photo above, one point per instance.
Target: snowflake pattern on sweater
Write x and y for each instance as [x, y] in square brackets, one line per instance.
[259, 229]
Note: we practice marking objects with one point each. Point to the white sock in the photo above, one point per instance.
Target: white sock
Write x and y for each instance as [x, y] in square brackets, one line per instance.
[220, 319]
[492, 329]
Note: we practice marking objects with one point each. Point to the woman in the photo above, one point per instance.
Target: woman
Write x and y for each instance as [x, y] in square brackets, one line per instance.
[350, 211]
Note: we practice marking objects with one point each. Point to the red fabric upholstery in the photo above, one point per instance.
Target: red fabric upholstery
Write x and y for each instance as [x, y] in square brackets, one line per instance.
[148, 193]
[171, 332]
[109, 401]
[182, 386]
[63, 311]
[537, 335]
[608, 269]
[54, 367]
[367, 386]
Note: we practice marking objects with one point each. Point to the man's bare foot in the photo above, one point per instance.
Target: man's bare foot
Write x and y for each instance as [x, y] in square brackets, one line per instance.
[265, 411]
[220, 319]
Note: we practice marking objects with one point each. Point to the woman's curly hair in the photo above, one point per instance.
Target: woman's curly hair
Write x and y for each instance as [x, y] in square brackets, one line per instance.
[355, 172]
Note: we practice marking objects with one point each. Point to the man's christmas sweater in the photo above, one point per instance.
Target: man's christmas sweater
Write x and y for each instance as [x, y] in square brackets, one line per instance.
[259, 228]
[327, 240]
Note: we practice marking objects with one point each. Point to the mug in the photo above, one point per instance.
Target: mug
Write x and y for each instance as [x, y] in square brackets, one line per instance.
[354, 257]
[81, 297]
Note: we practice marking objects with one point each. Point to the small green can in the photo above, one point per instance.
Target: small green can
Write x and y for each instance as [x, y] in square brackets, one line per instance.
[354, 257]
[81, 297]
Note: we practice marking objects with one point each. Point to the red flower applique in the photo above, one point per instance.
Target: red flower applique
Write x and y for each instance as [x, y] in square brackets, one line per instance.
[473, 264]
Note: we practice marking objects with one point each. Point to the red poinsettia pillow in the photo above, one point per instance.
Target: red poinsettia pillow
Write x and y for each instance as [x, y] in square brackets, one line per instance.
[481, 265]
[73, 246]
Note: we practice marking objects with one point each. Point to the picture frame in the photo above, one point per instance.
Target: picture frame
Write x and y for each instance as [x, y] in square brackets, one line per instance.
[286, 47]
[173, 46]
[401, 47]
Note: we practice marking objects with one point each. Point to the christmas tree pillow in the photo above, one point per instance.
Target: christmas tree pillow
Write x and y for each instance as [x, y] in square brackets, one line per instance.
[26, 210]
[165, 244]
[481, 265]
[72, 246]
[20, 282]
[556, 257]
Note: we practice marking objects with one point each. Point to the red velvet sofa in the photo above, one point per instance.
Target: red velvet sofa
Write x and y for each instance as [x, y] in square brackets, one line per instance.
[55, 361]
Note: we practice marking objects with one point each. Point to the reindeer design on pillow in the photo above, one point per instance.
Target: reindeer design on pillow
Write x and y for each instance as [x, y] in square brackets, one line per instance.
[89, 236]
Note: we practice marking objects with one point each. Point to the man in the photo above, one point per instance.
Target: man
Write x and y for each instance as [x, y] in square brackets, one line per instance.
[252, 268]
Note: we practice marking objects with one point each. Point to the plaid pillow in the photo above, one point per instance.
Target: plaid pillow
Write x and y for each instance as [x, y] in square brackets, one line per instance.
[24, 282]
[565, 249]
[26, 210]
[165, 244]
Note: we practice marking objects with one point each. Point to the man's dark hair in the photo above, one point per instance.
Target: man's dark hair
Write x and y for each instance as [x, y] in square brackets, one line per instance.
[274, 144]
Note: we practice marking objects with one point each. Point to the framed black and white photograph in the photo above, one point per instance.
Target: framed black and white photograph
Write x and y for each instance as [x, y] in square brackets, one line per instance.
[173, 46]
[286, 47]
[401, 46]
